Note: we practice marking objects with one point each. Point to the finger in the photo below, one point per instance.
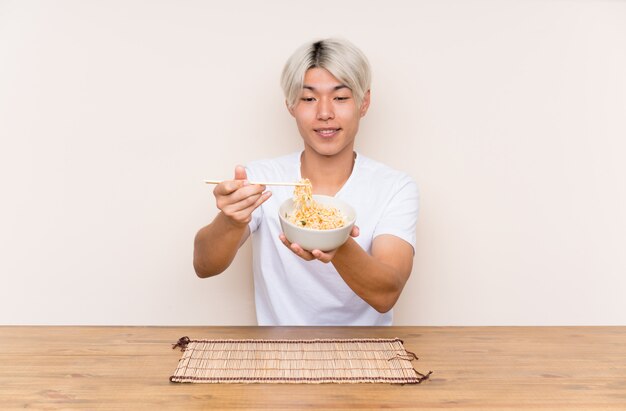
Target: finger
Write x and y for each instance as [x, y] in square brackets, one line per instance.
[322, 256]
[251, 203]
[355, 231]
[264, 197]
[233, 204]
[240, 173]
[301, 252]
[228, 187]
[242, 191]
[284, 240]
[295, 248]
[235, 211]
[287, 243]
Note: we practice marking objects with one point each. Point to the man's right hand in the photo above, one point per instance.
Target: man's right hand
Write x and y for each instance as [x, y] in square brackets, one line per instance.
[237, 198]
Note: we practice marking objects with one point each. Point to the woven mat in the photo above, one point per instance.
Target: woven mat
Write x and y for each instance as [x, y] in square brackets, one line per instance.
[296, 361]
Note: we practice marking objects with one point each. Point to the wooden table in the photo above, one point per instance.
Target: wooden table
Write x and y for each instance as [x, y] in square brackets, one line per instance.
[475, 368]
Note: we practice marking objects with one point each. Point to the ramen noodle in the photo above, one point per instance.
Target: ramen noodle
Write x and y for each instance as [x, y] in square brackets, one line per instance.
[310, 214]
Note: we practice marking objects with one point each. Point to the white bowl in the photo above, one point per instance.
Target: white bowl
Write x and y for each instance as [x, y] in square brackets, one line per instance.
[311, 239]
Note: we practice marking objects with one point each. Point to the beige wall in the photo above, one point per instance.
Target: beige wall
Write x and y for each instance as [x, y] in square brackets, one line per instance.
[509, 114]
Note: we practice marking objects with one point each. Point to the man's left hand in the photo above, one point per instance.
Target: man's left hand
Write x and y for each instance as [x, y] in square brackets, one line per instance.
[323, 256]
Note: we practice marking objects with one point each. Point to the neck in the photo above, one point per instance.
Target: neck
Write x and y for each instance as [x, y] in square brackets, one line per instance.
[327, 173]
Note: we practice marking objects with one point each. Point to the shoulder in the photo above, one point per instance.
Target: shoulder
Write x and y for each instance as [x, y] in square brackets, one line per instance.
[380, 174]
[274, 166]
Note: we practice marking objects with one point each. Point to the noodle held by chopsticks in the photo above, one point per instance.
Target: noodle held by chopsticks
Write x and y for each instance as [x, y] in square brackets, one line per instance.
[312, 215]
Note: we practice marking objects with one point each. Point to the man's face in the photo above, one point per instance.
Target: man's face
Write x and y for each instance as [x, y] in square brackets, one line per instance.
[327, 114]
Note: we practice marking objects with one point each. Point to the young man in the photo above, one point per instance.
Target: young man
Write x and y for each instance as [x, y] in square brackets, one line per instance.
[327, 90]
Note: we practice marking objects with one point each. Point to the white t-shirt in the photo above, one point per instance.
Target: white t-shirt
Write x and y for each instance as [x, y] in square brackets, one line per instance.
[292, 291]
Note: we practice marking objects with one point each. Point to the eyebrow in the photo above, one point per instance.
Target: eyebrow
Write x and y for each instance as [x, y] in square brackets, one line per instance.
[339, 87]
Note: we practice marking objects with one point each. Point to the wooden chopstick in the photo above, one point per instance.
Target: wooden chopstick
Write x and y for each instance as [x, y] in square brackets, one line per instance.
[261, 183]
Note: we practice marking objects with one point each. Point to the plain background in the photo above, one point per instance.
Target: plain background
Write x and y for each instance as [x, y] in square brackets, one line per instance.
[510, 115]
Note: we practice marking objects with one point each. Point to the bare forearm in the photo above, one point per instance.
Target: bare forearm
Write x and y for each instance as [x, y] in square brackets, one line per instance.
[216, 245]
[377, 283]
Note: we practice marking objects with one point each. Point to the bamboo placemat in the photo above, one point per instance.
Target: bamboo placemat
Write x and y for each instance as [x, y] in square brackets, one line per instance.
[296, 361]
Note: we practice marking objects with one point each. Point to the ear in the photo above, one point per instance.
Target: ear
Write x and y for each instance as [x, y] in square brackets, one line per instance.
[290, 109]
[365, 104]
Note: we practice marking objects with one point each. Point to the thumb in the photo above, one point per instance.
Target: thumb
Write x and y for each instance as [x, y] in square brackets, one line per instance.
[240, 173]
[355, 231]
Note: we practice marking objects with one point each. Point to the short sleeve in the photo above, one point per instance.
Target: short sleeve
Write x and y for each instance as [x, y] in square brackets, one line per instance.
[400, 215]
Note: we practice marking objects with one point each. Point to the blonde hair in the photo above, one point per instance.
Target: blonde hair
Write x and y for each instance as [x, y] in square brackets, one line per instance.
[340, 57]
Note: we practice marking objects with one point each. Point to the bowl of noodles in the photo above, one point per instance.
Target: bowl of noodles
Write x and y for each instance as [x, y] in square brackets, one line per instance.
[316, 222]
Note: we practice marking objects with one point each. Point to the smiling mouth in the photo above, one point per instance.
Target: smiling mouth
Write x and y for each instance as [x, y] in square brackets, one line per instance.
[327, 132]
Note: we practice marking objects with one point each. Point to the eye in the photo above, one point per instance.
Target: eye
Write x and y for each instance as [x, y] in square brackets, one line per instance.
[342, 98]
[308, 99]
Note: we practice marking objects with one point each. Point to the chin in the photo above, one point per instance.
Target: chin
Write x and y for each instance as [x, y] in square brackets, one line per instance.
[327, 152]
[327, 148]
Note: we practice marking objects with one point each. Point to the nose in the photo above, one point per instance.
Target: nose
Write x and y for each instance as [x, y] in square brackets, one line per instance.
[325, 110]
